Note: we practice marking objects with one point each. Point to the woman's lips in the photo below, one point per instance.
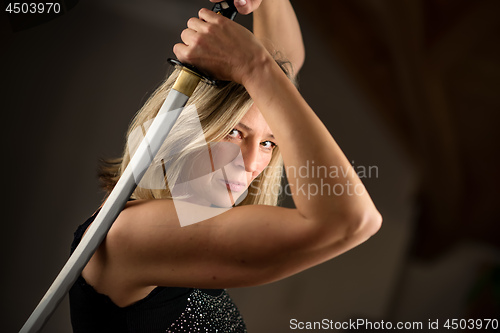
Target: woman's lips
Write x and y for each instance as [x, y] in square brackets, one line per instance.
[234, 186]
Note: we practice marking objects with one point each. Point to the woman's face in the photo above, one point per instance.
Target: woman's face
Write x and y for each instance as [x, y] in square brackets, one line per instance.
[234, 163]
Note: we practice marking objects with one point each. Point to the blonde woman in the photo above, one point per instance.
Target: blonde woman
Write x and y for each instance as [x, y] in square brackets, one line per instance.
[152, 275]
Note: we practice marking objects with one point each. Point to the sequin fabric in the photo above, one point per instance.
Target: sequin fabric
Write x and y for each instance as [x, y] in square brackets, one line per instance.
[207, 313]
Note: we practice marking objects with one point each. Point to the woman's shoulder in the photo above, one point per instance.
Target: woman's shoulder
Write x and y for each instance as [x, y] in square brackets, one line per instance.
[141, 213]
[108, 270]
[80, 231]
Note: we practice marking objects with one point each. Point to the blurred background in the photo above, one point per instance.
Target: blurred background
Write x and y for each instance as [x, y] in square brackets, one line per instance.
[410, 87]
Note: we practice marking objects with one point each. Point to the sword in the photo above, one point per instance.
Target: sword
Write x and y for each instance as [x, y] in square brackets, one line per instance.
[177, 98]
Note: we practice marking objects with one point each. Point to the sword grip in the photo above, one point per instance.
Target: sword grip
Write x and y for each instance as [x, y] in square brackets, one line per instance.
[226, 8]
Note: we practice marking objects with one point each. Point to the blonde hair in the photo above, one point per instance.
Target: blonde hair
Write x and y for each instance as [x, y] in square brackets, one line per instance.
[219, 111]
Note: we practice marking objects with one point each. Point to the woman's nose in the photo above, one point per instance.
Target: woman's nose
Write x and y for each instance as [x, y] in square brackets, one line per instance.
[249, 158]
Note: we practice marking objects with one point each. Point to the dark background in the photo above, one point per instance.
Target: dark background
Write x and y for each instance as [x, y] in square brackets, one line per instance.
[411, 87]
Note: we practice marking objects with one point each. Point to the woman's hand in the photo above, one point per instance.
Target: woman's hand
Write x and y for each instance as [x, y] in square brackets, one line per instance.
[220, 47]
[244, 6]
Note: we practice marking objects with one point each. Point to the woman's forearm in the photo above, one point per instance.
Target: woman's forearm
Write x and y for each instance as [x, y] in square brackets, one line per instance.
[305, 142]
[277, 27]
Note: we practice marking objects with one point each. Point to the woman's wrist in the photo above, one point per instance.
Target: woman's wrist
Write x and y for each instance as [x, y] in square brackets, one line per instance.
[258, 69]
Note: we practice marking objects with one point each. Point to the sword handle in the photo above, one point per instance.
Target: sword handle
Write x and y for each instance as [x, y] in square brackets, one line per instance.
[225, 8]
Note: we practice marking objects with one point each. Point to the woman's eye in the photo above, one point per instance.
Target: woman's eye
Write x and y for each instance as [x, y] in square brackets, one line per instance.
[268, 145]
[234, 134]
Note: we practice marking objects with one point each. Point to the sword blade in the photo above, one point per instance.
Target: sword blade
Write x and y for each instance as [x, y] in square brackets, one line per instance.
[156, 134]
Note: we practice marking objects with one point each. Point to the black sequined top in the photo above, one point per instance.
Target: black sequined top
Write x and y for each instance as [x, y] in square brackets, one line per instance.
[165, 309]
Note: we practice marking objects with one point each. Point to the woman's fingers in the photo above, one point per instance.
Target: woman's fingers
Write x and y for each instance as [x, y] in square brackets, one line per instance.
[189, 50]
[179, 50]
[247, 6]
[195, 23]
[209, 16]
[216, 45]
[188, 36]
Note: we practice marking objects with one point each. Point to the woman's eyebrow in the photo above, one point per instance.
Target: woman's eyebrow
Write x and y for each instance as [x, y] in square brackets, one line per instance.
[249, 129]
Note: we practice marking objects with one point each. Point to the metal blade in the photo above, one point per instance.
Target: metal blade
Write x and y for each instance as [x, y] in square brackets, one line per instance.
[158, 131]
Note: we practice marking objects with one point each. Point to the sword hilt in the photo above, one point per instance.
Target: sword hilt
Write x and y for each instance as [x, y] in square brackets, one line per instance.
[225, 8]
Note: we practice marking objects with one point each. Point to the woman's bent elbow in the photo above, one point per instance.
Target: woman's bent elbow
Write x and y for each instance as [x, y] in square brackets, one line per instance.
[352, 228]
[359, 225]
[366, 225]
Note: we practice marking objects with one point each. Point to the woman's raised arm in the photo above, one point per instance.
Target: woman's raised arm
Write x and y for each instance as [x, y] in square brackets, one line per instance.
[277, 27]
